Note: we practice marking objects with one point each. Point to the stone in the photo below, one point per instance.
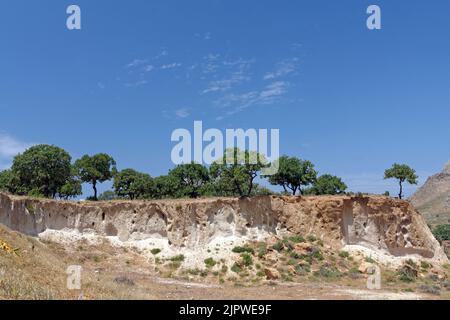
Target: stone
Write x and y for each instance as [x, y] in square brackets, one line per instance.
[272, 274]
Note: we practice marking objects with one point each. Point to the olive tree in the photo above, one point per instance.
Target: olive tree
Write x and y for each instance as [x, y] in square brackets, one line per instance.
[95, 169]
[132, 184]
[190, 178]
[403, 173]
[293, 174]
[41, 170]
[236, 171]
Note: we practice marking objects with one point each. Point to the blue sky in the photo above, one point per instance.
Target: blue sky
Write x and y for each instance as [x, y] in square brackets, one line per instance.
[351, 100]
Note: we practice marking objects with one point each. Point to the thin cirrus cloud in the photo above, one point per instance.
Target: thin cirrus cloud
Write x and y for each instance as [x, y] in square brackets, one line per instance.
[227, 81]
[136, 63]
[171, 65]
[269, 95]
[236, 73]
[283, 69]
[136, 84]
[182, 113]
[9, 148]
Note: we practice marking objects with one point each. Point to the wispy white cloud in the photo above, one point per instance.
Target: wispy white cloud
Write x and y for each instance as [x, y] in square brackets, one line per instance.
[211, 63]
[236, 72]
[163, 53]
[171, 65]
[136, 63]
[205, 36]
[282, 69]
[136, 84]
[226, 84]
[149, 68]
[10, 147]
[182, 113]
[267, 96]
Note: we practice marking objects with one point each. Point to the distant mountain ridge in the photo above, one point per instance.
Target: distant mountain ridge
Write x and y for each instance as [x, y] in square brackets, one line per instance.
[433, 198]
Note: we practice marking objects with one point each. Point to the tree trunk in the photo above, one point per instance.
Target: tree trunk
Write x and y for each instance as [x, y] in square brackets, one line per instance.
[400, 195]
[250, 188]
[238, 188]
[94, 185]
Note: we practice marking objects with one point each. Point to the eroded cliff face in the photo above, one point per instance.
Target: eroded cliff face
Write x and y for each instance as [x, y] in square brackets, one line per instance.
[378, 223]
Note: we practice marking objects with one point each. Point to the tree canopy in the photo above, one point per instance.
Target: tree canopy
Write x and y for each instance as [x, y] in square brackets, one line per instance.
[236, 171]
[5, 180]
[293, 173]
[132, 184]
[190, 179]
[328, 185]
[403, 173]
[95, 169]
[40, 170]
[71, 189]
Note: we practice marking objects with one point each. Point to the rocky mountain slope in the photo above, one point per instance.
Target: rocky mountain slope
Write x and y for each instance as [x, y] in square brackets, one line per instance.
[433, 198]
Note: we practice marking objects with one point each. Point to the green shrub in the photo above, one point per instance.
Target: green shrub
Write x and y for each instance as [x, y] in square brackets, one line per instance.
[175, 265]
[245, 249]
[328, 272]
[288, 245]
[369, 260]
[210, 262]
[311, 238]
[297, 239]
[262, 250]
[411, 263]
[155, 251]
[302, 269]
[294, 255]
[236, 268]
[194, 272]
[278, 246]
[177, 258]
[442, 232]
[317, 254]
[224, 269]
[407, 274]
[292, 262]
[247, 259]
[344, 254]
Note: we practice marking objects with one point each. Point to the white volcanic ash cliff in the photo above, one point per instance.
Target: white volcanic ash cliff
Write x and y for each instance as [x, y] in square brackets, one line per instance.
[382, 224]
